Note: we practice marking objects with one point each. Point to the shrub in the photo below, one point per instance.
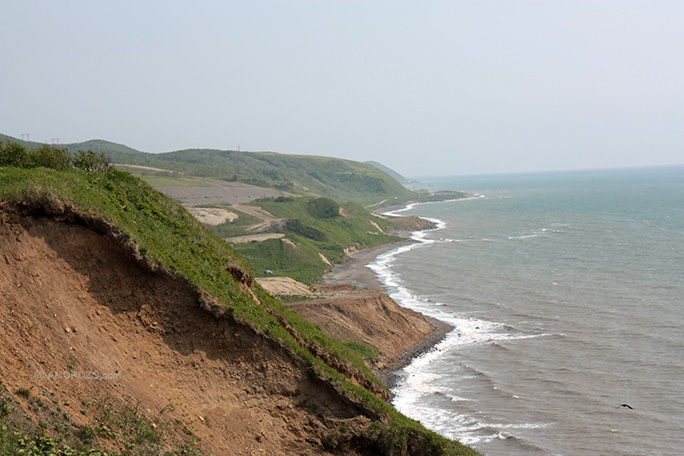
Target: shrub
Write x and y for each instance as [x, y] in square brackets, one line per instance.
[91, 161]
[297, 227]
[49, 157]
[13, 154]
[16, 155]
[324, 208]
[26, 392]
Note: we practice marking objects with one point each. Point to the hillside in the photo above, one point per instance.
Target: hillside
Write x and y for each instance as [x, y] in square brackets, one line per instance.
[290, 241]
[343, 180]
[391, 172]
[312, 242]
[103, 274]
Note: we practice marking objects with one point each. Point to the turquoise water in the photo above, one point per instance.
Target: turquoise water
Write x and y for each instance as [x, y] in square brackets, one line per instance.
[566, 291]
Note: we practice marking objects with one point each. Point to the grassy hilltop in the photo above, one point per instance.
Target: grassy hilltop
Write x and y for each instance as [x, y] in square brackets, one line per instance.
[342, 180]
[165, 239]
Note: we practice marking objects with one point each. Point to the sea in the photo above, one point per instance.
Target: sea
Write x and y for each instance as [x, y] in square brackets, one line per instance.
[566, 294]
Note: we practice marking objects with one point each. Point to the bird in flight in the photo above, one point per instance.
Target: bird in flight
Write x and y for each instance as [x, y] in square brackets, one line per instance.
[625, 405]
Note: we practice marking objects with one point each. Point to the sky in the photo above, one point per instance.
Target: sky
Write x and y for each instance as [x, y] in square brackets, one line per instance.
[425, 87]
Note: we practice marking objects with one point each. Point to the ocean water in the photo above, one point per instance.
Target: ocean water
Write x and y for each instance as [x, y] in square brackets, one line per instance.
[566, 291]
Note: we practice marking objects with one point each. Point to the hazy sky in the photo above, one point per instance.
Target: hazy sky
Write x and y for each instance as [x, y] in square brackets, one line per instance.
[425, 87]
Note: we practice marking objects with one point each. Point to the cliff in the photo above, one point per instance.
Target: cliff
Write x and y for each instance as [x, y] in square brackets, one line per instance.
[130, 328]
[76, 302]
[371, 317]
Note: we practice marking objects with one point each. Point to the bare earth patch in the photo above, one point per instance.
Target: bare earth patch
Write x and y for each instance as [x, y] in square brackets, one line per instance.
[212, 216]
[284, 286]
[372, 317]
[325, 260]
[210, 191]
[254, 237]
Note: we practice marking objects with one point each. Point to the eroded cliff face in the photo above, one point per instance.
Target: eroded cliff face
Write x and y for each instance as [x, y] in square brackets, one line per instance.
[372, 317]
[74, 300]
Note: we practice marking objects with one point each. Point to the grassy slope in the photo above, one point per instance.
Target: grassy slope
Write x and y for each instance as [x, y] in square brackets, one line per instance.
[343, 180]
[169, 238]
[302, 262]
[339, 179]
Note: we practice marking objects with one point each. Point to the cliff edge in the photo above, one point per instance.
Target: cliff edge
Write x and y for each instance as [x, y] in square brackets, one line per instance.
[129, 329]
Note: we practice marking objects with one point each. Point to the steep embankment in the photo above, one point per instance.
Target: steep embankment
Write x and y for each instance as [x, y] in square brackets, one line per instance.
[73, 300]
[100, 273]
[372, 317]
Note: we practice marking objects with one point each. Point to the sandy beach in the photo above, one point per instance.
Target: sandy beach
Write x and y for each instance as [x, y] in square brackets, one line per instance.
[357, 272]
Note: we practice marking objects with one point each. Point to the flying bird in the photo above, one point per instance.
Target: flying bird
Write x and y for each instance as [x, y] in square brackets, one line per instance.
[625, 405]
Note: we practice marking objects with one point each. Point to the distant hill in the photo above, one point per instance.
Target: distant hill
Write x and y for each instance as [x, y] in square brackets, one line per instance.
[96, 145]
[342, 180]
[389, 171]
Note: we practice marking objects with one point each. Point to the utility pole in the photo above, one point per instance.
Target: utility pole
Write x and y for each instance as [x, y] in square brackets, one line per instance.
[25, 137]
[55, 141]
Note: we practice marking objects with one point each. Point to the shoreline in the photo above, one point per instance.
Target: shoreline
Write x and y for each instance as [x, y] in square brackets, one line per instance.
[357, 272]
[390, 375]
[360, 275]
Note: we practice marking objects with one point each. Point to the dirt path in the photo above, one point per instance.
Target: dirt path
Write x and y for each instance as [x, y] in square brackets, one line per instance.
[149, 168]
[254, 237]
[255, 211]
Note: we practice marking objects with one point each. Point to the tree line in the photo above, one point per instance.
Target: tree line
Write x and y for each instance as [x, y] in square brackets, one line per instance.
[47, 156]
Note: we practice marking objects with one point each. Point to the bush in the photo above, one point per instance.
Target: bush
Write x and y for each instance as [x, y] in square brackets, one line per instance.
[92, 162]
[297, 227]
[324, 208]
[13, 154]
[16, 155]
[49, 157]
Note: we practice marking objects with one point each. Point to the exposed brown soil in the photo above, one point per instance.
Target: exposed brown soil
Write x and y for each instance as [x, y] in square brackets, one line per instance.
[285, 286]
[372, 317]
[74, 299]
[412, 223]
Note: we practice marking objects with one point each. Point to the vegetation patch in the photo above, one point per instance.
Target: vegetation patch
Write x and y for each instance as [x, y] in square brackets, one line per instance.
[312, 235]
[112, 430]
[363, 351]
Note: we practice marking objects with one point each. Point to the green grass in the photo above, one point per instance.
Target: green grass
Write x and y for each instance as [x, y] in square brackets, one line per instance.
[112, 425]
[324, 176]
[363, 351]
[327, 235]
[166, 237]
